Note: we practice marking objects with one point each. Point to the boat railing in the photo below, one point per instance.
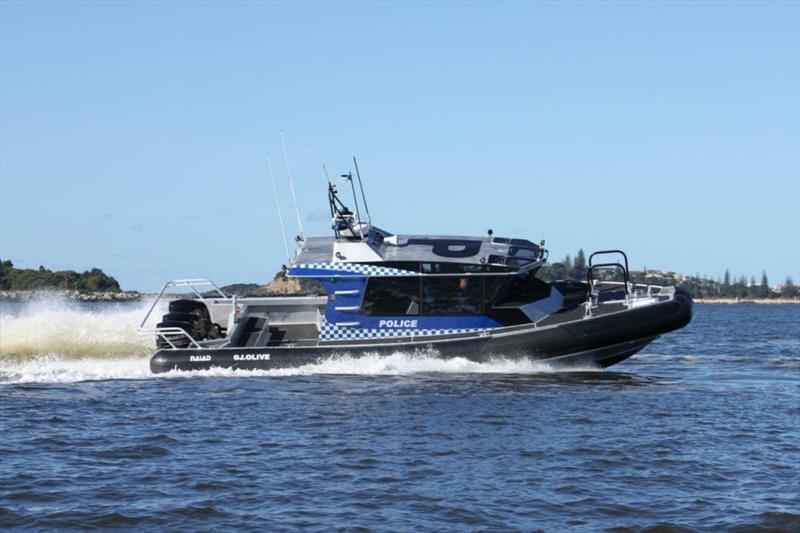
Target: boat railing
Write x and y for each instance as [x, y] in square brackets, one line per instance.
[633, 297]
[652, 290]
[164, 332]
[616, 265]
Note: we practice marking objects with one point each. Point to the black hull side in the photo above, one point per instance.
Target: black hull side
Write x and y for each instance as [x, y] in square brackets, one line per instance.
[599, 341]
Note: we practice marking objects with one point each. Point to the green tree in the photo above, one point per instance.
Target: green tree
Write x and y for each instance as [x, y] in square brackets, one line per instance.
[740, 287]
[559, 271]
[763, 289]
[579, 266]
[5, 270]
[42, 278]
[790, 290]
[725, 290]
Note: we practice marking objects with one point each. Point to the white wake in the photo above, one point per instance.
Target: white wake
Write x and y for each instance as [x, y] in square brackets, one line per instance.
[71, 330]
[57, 341]
[55, 369]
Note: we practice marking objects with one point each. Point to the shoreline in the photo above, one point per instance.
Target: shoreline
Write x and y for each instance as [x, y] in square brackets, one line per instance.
[759, 301]
[107, 296]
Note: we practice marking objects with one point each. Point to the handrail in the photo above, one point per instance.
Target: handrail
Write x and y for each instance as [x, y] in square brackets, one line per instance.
[591, 280]
[180, 283]
[163, 332]
[649, 286]
[625, 269]
[604, 252]
[590, 296]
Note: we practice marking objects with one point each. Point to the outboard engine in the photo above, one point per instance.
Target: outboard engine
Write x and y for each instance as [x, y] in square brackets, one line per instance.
[191, 316]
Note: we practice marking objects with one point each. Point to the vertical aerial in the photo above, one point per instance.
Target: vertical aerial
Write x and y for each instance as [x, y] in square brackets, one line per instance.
[278, 205]
[363, 196]
[291, 186]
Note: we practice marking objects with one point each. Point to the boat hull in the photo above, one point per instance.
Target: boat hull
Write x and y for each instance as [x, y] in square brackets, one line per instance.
[597, 341]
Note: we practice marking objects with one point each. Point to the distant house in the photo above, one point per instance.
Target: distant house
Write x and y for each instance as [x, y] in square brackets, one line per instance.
[654, 274]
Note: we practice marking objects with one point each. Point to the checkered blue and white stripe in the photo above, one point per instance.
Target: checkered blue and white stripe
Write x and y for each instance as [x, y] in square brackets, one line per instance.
[354, 268]
[331, 332]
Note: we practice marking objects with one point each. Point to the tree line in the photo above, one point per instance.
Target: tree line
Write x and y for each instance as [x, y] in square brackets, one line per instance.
[95, 280]
[26, 279]
[728, 286]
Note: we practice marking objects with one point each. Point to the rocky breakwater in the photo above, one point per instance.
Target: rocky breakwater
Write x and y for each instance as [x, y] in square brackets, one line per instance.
[106, 296]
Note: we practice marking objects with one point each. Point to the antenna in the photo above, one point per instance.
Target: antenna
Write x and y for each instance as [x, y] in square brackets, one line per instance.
[291, 185]
[325, 171]
[321, 164]
[278, 204]
[361, 186]
[349, 177]
[331, 188]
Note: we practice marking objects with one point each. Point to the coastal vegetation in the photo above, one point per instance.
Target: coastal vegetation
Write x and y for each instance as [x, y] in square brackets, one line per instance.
[280, 285]
[95, 281]
[726, 287]
[42, 279]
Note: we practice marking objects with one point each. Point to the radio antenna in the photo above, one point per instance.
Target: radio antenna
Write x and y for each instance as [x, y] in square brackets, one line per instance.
[363, 196]
[278, 204]
[321, 164]
[349, 177]
[291, 185]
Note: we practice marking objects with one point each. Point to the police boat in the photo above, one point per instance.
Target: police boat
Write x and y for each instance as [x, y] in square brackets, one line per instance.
[447, 296]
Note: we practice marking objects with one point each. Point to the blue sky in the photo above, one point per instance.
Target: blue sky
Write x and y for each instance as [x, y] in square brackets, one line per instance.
[133, 136]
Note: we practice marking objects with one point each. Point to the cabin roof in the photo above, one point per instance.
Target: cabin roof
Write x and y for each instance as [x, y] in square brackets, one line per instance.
[414, 248]
[316, 250]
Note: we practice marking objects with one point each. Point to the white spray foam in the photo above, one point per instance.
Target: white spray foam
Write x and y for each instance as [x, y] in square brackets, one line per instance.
[56, 341]
[57, 369]
[401, 363]
[51, 369]
[69, 330]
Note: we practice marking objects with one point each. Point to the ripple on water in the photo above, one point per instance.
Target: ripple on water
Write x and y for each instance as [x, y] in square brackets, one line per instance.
[136, 452]
[699, 432]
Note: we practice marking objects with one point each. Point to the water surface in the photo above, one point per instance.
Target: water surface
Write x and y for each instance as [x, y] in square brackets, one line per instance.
[700, 431]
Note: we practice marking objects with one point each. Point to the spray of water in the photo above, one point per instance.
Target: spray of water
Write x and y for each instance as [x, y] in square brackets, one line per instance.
[58, 327]
[56, 341]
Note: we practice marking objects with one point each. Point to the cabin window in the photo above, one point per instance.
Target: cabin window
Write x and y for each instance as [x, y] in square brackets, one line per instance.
[400, 265]
[451, 295]
[491, 287]
[524, 252]
[450, 268]
[521, 256]
[391, 296]
[440, 268]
